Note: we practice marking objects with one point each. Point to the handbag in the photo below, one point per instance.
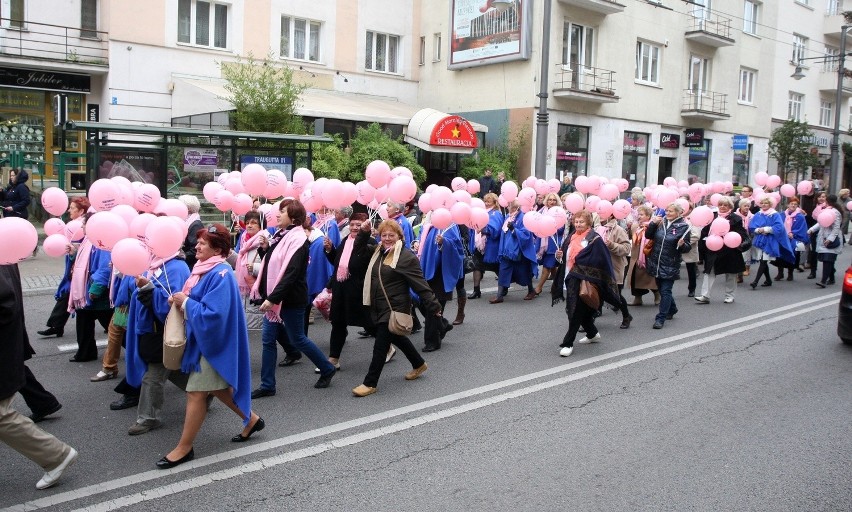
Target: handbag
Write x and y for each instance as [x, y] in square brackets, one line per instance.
[468, 259]
[589, 294]
[648, 248]
[400, 324]
[174, 338]
[834, 244]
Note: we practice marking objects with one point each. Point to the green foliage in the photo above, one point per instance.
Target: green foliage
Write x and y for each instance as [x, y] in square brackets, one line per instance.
[372, 143]
[500, 157]
[790, 146]
[264, 95]
[329, 160]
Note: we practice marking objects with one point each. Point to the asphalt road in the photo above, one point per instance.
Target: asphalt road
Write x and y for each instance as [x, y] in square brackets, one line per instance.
[729, 407]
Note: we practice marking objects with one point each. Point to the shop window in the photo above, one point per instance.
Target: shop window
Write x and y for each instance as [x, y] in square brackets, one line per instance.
[742, 159]
[634, 164]
[699, 159]
[572, 150]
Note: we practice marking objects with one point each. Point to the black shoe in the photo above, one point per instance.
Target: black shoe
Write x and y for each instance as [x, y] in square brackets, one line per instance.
[262, 393]
[690, 294]
[820, 284]
[811, 276]
[258, 426]
[431, 348]
[475, 295]
[767, 283]
[365, 334]
[671, 315]
[658, 325]
[165, 463]
[625, 322]
[779, 276]
[446, 327]
[38, 416]
[290, 360]
[829, 282]
[77, 359]
[416, 328]
[125, 402]
[52, 331]
[324, 380]
[753, 285]
[790, 277]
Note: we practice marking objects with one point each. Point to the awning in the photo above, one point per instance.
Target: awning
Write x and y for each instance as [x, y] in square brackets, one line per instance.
[439, 132]
[192, 96]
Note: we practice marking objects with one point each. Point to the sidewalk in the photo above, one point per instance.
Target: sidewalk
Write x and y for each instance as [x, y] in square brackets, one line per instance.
[41, 274]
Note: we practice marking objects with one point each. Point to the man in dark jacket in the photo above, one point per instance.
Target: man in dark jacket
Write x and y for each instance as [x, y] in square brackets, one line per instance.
[16, 430]
[487, 184]
[16, 197]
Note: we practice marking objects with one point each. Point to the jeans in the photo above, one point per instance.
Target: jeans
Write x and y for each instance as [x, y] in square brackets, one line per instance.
[667, 302]
[293, 329]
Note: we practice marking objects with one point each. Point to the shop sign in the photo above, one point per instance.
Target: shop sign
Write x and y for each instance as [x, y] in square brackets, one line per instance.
[694, 137]
[816, 141]
[200, 160]
[45, 80]
[489, 34]
[93, 112]
[22, 100]
[669, 140]
[570, 156]
[740, 142]
[454, 131]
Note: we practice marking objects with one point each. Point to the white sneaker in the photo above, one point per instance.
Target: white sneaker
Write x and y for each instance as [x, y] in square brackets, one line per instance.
[566, 351]
[701, 299]
[51, 477]
[729, 300]
[594, 339]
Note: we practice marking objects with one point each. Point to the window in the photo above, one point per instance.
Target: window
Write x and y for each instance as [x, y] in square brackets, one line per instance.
[742, 164]
[834, 7]
[699, 74]
[699, 158]
[382, 52]
[829, 65]
[825, 108]
[747, 77]
[300, 39]
[794, 106]
[16, 13]
[203, 23]
[800, 46]
[648, 63]
[577, 51]
[750, 17]
[634, 165]
[572, 150]
[422, 50]
[701, 9]
[89, 18]
[437, 43]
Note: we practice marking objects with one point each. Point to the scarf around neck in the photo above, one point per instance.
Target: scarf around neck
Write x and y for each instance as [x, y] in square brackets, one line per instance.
[78, 293]
[380, 253]
[249, 244]
[789, 218]
[199, 269]
[275, 265]
[343, 265]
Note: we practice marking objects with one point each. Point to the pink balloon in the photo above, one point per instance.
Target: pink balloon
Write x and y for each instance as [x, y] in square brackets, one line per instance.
[21, 239]
[276, 184]
[139, 225]
[241, 204]
[773, 181]
[222, 178]
[318, 186]
[788, 190]
[849, 206]
[105, 229]
[670, 182]
[311, 201]
[458, 183]
[760, 178]
[131, 257]
[383, 212]
[374, 205]
[55, 245]
[442, 197]
[541, 187]
[333, 194]
[382, 193]
[181, 224]
[272, 215]
[547, 226]
[621, 209]
[377, 173]
[501, 200]
[301, 179]
[211, 189]
[529, 182]
[553, 185]
[234, 186]
[622, 184]
[350, 193]
[720, 226]
[147, 197]
[461, 213]
[54, 200]
[478, 218]
[732, 239]
[574, 203]
[476, 202]
[74, 230]
[609, 192]
[805, 188]
[526, 197]
[532, 221]
[366, 192]
[701, 216]
[442, 218]
[401, 171]
[223, 200]
[431, 188]
[402, 189]
[163, 237]
[684, 204]
[714, 199]
[462, 196]
[714, 242]
[53, 226]
[604, 208]
[103, 194]
[665, 197]
[472, 187]
[592, 203]
[717, 187]
[557, 212]
[826, 218]
[425, 202]
[126, 192]
[509, 190]
[254, 179]
[174, 207]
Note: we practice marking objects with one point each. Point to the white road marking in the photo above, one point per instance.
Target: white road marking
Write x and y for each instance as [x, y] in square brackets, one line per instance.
[727, 329]
[70, 347]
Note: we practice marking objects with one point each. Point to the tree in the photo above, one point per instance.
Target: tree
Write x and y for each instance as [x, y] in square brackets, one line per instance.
[372, 143]
[264, 95]
[790, 146]
[500, 157]
[329, 160]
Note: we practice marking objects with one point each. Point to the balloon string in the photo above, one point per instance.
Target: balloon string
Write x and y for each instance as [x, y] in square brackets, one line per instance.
[168, 285]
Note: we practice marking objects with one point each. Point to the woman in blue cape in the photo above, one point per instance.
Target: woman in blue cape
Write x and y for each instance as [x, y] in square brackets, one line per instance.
[518, 260]
[797, 231]
[487, 245]
[216, 356]
[769, 240]
[442, 259]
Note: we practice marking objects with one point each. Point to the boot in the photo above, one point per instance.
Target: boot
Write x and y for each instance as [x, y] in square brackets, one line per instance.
[476, 293]
[656, 297]
[780, 274]
[747, 271]
[790, 275]
[462, 301]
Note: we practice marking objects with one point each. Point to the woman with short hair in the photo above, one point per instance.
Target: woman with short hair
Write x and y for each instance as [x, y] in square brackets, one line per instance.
[671, 239]
[829, 241]
[727, 260]
[487, 244]
[637, 271]
[769, 240]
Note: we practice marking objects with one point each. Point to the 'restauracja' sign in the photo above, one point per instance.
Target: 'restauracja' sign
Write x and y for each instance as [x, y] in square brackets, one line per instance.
[454, 131]
[45, 80]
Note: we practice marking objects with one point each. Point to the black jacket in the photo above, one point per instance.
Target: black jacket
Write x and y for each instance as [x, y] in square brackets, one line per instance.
[726, 260]
[14, 344]
[191, 240]
[292, 290]
[17, 195]
[347, 304]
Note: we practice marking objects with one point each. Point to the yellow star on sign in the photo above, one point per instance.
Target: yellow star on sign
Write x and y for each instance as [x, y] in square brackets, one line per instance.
[456, 132]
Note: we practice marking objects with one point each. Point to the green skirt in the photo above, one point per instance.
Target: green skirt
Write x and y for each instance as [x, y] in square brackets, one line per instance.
[208, 379]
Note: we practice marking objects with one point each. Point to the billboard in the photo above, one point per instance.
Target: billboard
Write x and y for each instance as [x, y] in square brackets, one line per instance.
[487, 32]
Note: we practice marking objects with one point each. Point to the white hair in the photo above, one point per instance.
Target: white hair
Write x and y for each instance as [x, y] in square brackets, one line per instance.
[191, 202]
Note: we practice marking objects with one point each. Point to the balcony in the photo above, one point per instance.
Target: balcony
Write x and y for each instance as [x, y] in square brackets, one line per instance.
[828, 84]
[831, 24]
[712, 106]
[584, 83]
[709, 29]
[43, 43]
[599, 6]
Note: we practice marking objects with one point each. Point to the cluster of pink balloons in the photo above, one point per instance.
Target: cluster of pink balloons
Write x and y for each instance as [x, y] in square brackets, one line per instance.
[453, 206]
[545, 223]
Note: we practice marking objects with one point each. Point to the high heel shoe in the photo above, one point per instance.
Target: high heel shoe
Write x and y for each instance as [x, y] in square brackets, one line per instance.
[165, 463]
[475, 295]
[258, 426]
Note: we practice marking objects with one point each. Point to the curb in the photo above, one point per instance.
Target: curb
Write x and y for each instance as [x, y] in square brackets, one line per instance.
[35, 292]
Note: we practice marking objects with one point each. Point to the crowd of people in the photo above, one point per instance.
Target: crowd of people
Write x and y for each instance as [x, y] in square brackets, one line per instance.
[378, 276]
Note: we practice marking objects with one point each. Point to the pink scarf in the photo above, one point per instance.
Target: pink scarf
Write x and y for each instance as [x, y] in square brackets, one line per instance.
[276, 263]
[249, 244]
[343, 266]
[640, 240]
[199, 269]
[789, 218]
[424, 230]
[78, 293]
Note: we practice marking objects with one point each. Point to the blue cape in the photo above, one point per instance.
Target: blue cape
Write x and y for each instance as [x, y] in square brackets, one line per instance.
[450, 258]
[776, 244]
[518, 252]
[216, 329]
[492, 234]
[319, 268]
[800, 229]
[332, 231]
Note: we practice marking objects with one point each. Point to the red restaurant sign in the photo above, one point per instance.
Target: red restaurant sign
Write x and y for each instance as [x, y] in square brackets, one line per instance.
[454, 131]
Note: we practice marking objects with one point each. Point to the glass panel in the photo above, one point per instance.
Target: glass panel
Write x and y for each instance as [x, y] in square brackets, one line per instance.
[16, 13]
[698, 159]
[381, 52]
[88, 18]
[184, 21]
[655, 64]
[202, 23]
[314, 47]
[393, 46]
[299, 39]
[285, 36]
[572, 150]
[368, 53]
[220, 36]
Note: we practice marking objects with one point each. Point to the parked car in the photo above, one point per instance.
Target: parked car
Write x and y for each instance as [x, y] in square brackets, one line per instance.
[844, 315]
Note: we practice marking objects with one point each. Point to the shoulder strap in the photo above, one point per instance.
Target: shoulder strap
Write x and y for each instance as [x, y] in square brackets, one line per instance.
[380, 262]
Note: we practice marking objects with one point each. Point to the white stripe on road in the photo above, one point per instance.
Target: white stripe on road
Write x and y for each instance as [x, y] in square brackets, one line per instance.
[69, 347]
[726, 330]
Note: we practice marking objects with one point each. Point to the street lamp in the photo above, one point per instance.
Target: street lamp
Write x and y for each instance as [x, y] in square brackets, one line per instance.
[543, 118]
[834, 169]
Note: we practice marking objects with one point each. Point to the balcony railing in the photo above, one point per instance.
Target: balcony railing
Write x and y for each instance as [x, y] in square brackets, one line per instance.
[44, 41]
[710, 29]
[595, 84]
[704, 104]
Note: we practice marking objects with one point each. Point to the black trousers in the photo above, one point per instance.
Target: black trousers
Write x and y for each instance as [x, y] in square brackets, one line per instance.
[60, 315]
[827, 260]
[692, 275]
[86, 347]
[434, 327]
[583, 316]
[38, 399]
[384, 338]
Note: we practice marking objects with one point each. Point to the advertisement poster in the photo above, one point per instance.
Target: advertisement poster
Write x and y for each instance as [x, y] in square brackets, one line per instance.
[141, 164]
[200, 160]
[487, 32]
[282, 163]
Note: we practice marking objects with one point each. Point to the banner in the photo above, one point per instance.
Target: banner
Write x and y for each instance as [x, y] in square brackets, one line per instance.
[200, 160]
[484, 33]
